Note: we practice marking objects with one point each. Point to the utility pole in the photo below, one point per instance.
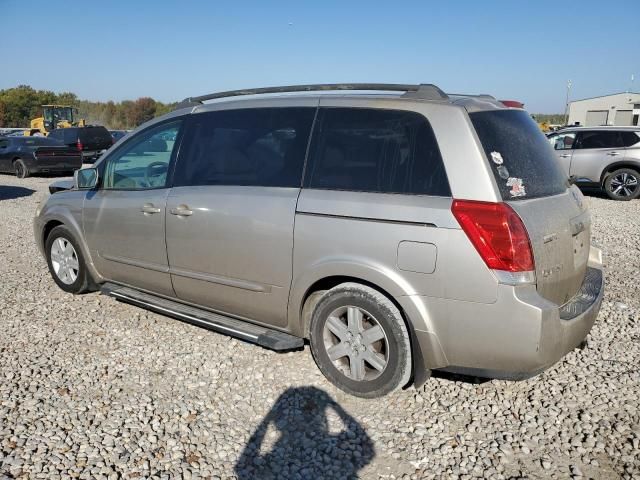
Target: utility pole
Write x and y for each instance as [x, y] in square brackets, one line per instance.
[566, 103]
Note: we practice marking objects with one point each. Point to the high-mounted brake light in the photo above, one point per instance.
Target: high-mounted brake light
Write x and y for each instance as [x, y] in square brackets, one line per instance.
[498, 234]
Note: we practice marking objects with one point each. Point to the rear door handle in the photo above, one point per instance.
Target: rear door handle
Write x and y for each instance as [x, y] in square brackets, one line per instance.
[613, 154]
[181, 211]
[149, 208]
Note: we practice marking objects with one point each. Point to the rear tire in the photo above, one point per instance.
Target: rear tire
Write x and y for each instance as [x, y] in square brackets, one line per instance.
[20, 168]
[66, 262]
[360, 342]
[622, 184]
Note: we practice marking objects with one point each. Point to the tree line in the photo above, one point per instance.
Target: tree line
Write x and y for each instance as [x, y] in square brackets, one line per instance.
[21, 104]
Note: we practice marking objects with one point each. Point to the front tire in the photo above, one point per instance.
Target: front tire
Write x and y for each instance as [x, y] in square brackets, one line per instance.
[66, 262]
[622, 184]
[360, 342]
[20, 168]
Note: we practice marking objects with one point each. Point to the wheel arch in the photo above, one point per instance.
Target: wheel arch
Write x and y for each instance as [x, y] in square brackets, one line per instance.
[616, 166]
[46, 229]
[325, 277]
[56, 216]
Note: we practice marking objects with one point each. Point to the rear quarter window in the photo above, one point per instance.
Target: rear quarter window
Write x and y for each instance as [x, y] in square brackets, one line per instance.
[630, 139]
[520, 156]
[381, 151]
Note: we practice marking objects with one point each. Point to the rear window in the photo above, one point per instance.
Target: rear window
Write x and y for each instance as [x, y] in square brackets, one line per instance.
[521, 158]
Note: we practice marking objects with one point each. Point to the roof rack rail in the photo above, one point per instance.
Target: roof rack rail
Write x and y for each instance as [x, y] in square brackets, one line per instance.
[422, 91]
[473, 95]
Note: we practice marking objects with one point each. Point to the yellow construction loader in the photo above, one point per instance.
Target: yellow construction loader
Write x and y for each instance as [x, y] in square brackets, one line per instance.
[54, 116]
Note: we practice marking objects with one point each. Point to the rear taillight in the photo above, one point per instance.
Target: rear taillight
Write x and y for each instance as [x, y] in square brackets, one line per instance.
[498, 234]
[79, 145]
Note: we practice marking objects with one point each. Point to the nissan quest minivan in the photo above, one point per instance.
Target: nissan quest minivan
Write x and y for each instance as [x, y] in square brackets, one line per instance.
[399, 231]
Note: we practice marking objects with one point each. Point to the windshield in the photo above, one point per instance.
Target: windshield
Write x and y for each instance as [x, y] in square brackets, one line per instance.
[63, 113]
[521, 158]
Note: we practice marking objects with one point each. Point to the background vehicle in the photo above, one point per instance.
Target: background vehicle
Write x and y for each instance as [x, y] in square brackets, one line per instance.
[399, 233]
[27, 155]
[91, 140]
[54, 116]
[601, 157]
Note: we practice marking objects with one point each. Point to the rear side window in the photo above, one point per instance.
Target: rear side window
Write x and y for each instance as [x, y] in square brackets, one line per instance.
[252, 147]
[521, 158]
[367, 150]
[599, 139]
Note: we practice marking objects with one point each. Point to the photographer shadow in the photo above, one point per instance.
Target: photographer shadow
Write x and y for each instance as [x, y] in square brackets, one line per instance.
[306, 434]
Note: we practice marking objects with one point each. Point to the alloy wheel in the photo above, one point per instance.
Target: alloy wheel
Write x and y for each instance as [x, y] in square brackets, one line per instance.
[624, 184]
[64, 260]
[356, 343]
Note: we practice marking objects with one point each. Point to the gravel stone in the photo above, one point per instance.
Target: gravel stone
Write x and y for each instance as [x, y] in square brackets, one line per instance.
[93, 388]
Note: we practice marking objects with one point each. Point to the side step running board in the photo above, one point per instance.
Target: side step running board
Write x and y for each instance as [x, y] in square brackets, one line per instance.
[265, 337]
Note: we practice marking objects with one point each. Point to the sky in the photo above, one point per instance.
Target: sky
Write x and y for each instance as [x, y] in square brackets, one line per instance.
[169, 50]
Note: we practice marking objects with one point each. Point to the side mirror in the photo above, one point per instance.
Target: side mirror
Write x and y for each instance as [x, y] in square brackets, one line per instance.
[85, 178]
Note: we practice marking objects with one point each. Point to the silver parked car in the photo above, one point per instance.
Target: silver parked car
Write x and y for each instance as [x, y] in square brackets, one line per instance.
[399, 233]
[601, 157]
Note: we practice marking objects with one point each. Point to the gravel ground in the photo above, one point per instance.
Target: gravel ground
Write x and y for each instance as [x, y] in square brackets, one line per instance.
[93, 388]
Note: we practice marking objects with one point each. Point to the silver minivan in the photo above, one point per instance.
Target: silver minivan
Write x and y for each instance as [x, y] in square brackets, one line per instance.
[398, 231]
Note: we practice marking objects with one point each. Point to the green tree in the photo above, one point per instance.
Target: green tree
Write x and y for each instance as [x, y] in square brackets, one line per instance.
[19, 105]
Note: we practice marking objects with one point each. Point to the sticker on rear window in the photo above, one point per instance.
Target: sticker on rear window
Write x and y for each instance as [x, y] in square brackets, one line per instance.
[497, 158]
[503, 172]
[517, 187]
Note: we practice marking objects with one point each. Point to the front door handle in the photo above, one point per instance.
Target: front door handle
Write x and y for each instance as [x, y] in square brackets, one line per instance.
[565, 155]
[149, 208]
[181, 211]
[613, 154]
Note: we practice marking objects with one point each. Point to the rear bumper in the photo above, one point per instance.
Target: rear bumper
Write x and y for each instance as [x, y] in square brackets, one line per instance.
[517, 337]
[563, 330]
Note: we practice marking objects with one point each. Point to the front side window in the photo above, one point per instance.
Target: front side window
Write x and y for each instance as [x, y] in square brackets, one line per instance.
[143, 162]
[383, 151]
[247, 147]
[599, 139]
[563, 141]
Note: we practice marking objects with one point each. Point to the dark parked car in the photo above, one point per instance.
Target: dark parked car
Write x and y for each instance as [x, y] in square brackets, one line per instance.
[26, 155]
[91, 140]
[116, 135]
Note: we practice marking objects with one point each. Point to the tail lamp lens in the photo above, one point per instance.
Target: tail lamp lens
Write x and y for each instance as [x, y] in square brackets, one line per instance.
[497, 233]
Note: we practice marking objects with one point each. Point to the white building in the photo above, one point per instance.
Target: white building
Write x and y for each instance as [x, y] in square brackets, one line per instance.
[615, 109]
